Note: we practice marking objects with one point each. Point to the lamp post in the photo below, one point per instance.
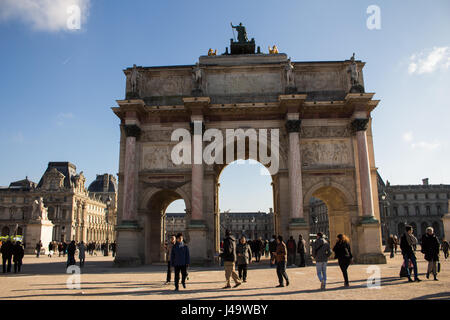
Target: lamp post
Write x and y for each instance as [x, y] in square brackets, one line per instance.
[385, 224]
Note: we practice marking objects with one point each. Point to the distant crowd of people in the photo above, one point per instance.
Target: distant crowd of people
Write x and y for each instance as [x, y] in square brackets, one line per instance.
[14, 251]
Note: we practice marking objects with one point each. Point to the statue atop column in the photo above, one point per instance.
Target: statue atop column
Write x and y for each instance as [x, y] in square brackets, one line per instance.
[39, 211]
[134, 81]
[356, 87]
[290, 80]
[197, 78]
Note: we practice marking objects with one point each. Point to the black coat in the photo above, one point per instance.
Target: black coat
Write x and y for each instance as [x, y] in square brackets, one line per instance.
[229, 249]
[430, 247]
[7, 250]
[407, 249]
[71, 249]
[18, 252]
[342, 250]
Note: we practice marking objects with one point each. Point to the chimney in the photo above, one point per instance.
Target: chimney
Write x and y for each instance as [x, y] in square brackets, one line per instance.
[425, 181]
[270, 210]
[105, 182]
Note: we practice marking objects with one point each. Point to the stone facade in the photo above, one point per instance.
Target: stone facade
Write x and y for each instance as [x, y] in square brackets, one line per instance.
[252, 225]
[325, 146]
[75, 213]
[421, 206]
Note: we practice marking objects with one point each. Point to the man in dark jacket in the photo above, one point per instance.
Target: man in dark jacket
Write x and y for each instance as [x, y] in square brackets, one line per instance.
[259, 248]
[430, 247]
[301, 249]
[291, 250]
[180, 260]
[7, 252]
[71, 248]
[229, 258]
[18, 253]
[38, 248]
[407, 243]
[244, 257]
[272, 249]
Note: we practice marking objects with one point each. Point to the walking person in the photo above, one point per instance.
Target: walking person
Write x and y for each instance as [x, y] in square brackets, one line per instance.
[280, 256]
[301, 250]
[7, 253]
[445, 247]
[18, 253]
[430, 247]
[396, 243]
[38, 248]
[259, 246]
[50, 249]
[244, 258]
[291, 250]
[407, 243]
[81, 253]
[113, 248]
[272, 249]
[266, 248]
[71, 248]
[168, 248]
[321, 252]
[391, 244]
[180, 260]
[344, 255]
[229, 258]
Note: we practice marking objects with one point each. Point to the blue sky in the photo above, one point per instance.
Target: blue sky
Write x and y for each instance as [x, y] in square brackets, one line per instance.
[58, 85]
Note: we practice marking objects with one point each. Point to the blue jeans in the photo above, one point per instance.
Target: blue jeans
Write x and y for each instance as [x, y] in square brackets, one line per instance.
[321, 268]
[414, 262]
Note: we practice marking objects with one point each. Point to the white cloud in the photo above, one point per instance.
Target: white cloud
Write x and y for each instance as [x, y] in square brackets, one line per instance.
[429, 60]
[408, 137]
[45, 15]
[62, 117]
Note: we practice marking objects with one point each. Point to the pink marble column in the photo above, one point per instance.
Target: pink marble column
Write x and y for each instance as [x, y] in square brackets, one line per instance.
[197, 171]
[129, 208]
[295, 169]
[360, 126]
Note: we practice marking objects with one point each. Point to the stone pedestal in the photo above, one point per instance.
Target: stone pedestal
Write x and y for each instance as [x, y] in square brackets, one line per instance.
[197, 231]
[38, 230]
[299, 226]
[369, 240]
[446, 222]
[128, 237]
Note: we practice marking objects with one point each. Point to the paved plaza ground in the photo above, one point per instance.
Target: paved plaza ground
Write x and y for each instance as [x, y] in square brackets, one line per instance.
[45, 278]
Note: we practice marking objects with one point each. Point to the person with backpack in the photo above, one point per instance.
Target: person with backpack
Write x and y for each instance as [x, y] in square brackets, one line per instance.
[180, 259]
[301, 249]
[168, 247]
[344, 255]
[430, 248]
[291, 250]
[321, 252]
[229, 258]
[407, 243]
[244, 258]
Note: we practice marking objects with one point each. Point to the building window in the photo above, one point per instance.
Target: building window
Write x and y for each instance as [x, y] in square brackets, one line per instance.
[405, 197]
[417, 210]
[426, 195]
[13, 199]
[439, 209]
[406, 209]
[428, 210]
[415, 196]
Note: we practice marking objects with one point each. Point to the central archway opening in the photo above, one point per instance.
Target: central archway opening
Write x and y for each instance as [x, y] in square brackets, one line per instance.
[161, 223]
[245, 200]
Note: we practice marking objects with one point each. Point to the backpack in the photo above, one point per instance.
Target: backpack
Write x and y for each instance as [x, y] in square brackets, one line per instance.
[290, 244]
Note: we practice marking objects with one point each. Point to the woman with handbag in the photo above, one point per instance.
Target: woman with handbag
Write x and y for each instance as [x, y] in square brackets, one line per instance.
[343, 253]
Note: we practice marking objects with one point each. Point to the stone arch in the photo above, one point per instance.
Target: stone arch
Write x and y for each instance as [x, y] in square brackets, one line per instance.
[338, 201]
[154, 220]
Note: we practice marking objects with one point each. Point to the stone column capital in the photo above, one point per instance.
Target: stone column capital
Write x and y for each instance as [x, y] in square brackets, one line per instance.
[359, 124]
[293, 125]
[132, 130]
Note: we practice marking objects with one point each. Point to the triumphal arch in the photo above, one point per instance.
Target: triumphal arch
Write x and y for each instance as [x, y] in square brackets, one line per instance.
[309, 123]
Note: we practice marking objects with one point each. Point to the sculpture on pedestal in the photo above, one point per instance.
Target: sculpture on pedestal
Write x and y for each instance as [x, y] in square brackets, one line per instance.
[39, 211]
[134, 81]
[197, 78]
[356, 87]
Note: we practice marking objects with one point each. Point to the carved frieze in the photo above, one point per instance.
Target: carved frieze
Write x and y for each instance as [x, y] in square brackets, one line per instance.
[325, 132]
[317, 153]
